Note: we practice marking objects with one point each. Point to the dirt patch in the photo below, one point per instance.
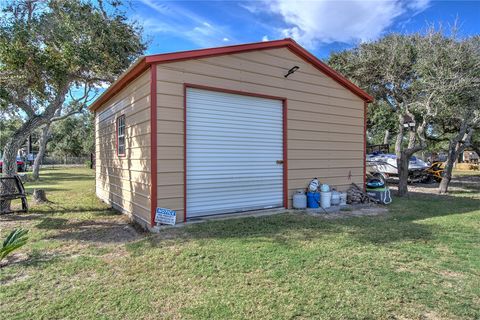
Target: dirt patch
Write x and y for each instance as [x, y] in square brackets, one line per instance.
[348, 212]
[461, 183]
[451, 274]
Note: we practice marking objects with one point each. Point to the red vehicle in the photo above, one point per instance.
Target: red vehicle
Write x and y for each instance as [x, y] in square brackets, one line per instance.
[21, 165]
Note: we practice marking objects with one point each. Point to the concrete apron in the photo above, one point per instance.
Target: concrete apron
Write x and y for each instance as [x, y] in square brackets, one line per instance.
[334, 212]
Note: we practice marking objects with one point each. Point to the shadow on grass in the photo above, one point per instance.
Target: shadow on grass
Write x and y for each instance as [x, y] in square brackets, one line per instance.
[46, 213]
[95, 231]
[401, 224]
[60, 176]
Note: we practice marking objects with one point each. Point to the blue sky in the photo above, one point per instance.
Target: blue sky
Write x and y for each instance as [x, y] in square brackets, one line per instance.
[320, 26]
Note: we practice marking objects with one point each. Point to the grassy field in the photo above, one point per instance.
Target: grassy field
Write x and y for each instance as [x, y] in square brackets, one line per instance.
[419, 261]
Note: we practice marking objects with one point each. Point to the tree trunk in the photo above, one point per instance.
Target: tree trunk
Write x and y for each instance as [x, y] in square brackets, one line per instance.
[39, 196]
[14, 143]
[455, 147]
[386, 137]
[402, 165]
[9, 168]
[447, 176]
[402, 160]
[41, 152]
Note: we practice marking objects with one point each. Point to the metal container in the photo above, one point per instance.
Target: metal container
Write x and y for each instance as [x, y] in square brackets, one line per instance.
[299, 200]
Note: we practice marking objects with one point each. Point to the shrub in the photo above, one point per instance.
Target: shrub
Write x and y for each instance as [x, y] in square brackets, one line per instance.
[16, 239]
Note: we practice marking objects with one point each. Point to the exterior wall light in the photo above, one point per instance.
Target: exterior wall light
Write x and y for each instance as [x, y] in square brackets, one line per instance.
[292, 70]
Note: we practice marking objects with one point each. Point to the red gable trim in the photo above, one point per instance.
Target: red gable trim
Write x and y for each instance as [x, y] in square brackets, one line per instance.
[131, 74]
[145, 62]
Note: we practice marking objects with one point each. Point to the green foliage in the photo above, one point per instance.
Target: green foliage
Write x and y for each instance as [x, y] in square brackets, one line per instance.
[431, 75]
[55, 55]
[385, 69]
[73, 136]
[54, 44]
[16, 239]
[380, 117]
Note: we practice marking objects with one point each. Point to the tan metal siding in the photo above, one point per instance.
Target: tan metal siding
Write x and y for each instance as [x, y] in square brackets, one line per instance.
[325, 120]
[124, 182]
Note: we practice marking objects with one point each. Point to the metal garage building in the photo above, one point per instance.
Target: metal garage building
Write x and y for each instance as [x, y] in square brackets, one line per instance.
[223, 130]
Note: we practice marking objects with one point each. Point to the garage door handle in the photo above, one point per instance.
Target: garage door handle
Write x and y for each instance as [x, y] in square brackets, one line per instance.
[279, 161]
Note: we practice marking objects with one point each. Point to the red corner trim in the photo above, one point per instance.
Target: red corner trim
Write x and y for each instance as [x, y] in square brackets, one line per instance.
[285, 153]
[184, 152]
[365, 106]
[153, 142]
[143, 63]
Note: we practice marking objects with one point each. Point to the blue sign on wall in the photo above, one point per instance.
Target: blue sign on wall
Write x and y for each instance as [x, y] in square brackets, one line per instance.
[165, 216]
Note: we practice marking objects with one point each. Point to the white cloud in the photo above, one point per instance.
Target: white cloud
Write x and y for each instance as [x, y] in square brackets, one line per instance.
[176, 20]
[265, 38]
[348, 21]
[418, 5]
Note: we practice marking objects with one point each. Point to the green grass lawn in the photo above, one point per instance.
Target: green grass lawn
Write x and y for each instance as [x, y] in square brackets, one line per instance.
[419, 261]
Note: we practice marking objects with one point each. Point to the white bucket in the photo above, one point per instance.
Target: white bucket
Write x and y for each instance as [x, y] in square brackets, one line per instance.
[325, 199]
[343, 198]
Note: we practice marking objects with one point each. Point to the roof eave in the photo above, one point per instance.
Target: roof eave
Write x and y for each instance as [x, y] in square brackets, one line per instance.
[137, 68]
[143, 63]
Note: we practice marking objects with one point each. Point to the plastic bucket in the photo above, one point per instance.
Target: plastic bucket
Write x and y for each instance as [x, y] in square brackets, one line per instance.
[326, 199]
[312, 199]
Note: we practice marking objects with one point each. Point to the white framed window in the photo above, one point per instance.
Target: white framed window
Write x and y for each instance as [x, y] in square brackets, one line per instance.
[121, 135]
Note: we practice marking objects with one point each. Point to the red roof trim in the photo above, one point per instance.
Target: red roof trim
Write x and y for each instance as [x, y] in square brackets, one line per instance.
[210, 52]
[307, 56]
[137, 69]
[144, 63]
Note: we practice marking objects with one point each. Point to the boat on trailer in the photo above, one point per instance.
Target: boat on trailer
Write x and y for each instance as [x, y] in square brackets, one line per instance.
[385, 165]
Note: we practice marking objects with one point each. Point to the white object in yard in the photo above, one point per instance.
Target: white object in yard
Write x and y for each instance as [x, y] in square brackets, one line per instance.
[313, 186]
[343, 198]
[234, 153]
[325, 199]
[335, 198]
[299, 200]
[165, 216]
[387, 163]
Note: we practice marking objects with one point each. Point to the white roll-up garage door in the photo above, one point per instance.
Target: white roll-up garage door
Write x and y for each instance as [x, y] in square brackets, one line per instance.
[234, 153]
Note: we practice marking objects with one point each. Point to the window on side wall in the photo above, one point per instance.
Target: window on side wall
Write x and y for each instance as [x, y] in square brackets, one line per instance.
[121, 135]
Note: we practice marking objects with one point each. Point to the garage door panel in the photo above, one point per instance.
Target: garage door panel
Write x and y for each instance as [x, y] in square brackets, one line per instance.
[233, 145]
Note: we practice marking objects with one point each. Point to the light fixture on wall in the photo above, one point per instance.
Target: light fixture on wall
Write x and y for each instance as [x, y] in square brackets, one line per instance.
[292, 70]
